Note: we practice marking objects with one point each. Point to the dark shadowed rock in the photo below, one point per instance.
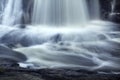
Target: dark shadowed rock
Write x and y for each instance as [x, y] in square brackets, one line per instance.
[10, 56]
[19, 76]
[11, 38]
[21, 26]
[56, 38]
[29, 41]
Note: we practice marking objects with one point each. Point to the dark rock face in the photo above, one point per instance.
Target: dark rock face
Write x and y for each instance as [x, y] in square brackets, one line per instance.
[105, 7]
[54, 74]
[10, 56]
[72, 74]
[21, 26]
[56, 38]
[27, 11]
[106, 10]
[115, 16]
[19, 76]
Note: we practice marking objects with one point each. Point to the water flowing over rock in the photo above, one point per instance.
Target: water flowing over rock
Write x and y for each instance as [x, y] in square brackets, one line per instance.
[63, 12]
[62, 34]
[10, 56]
[12, 12]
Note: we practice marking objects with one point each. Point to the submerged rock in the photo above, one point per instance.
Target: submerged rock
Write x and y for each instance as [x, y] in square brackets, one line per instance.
[56, 38]
[12, 38]
[21, 26]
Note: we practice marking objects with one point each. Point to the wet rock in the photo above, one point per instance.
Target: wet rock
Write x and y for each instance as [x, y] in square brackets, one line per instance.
[106, 10]
[9, 56]
[19, 76]
[115, 17]
[102, 37]
[56, 38]
[21, 26]
[56, 74]
[2, 70]
[27, 41]
[12, 38]
[27, 11]
[72, 74]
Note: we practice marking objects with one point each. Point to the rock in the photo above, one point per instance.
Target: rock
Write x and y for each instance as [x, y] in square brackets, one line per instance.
[21, 26]
[9, 56]
[2, 70]
[102, 37]
[27, 41]
[115, 17]
[55, 74]
[72, 74]
[56, 38]
[12, 38]
[19, 76]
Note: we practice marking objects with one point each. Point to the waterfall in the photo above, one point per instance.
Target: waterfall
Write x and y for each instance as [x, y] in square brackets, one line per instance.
[113, 4]
[64, 12]
[93, 47]
[94, 9]
[12, 12]
[113, 14]
[53, 12]
[60, 12]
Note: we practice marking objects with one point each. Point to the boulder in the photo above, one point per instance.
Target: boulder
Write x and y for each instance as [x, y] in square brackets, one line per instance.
[8, 55]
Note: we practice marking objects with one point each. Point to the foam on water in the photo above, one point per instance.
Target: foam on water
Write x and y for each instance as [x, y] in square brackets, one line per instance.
[61, 35]
[88, 48]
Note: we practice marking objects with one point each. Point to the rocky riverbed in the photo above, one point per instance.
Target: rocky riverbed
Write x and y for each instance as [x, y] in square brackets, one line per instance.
[10, 70]
[15, 73]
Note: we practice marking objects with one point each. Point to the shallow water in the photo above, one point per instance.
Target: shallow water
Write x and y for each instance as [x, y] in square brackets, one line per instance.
[94, 47]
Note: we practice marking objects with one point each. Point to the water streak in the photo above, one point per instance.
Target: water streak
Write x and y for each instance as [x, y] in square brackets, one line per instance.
[60, 12]
[12, 12]
[93, 47]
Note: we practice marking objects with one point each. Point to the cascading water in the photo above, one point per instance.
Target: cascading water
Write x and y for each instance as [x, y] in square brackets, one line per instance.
[92, 47]
[12, 12]
[60, 12]
[64, 12]
[113, 4]
[94, 9]
[113, 12]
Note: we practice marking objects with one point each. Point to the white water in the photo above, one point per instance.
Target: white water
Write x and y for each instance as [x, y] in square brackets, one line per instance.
[60, 12]
[93, 47]
[12, 12]
[90, 48]
[50, 44]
